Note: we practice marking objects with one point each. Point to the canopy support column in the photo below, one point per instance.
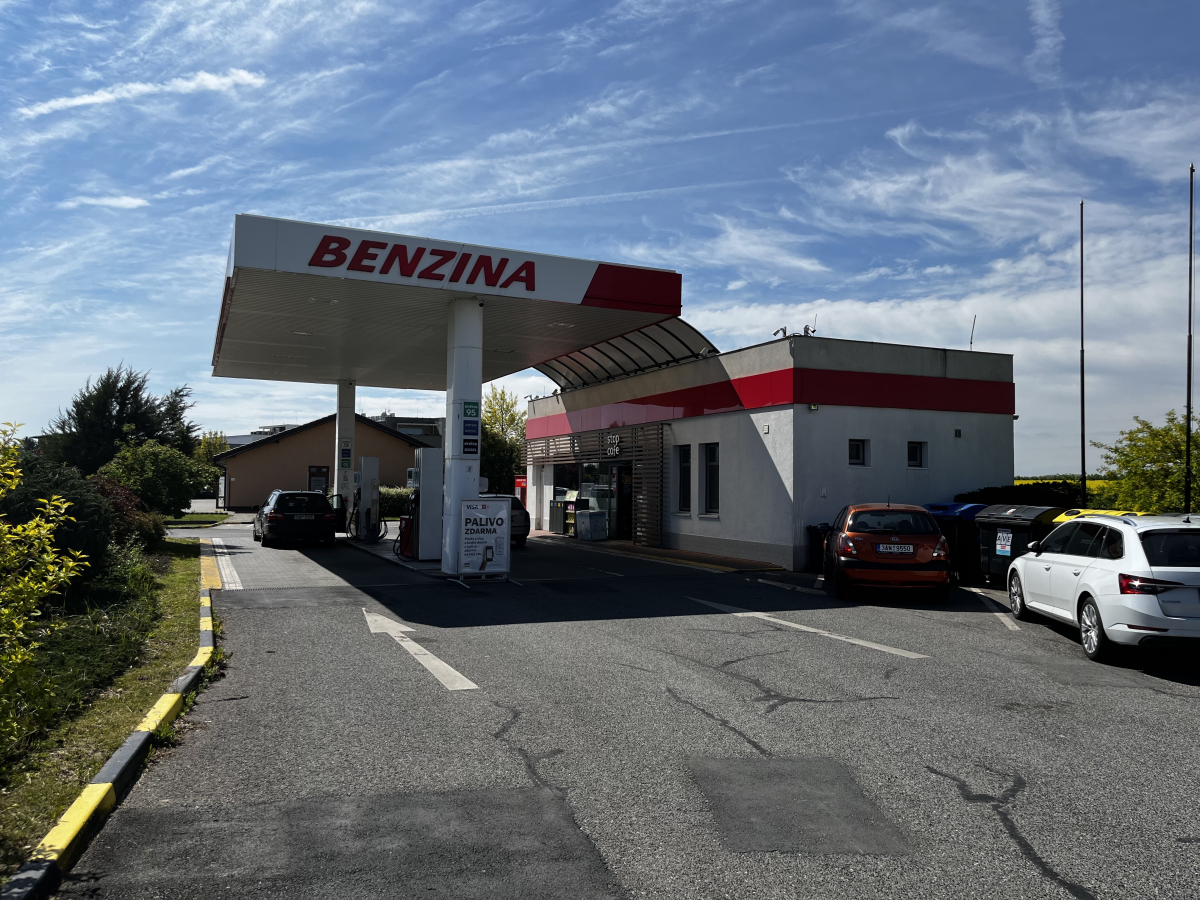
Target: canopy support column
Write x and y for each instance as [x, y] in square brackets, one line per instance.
[464, 391]
[343, 454]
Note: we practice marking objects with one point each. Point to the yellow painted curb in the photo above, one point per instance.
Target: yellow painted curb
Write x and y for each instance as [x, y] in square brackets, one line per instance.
[202, 657]
[165, 710]
[206, 621]
[67, 838]
[210, 574]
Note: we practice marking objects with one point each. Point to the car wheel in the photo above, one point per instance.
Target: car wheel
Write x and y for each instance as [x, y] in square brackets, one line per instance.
[256, 535]
[519, 540]
[941, 593]
[1095, 642]
[1016, 597]
[266, 541]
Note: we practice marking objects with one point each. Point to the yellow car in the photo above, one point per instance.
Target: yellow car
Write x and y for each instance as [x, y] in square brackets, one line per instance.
[1074, 513]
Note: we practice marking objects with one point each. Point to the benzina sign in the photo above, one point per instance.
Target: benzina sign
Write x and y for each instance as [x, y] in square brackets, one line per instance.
[375, 256]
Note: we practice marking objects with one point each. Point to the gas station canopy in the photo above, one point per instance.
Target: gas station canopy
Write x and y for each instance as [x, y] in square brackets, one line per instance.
[326, 304]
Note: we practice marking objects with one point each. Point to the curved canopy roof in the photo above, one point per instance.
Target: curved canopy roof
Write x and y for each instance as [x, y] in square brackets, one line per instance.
[666, 343]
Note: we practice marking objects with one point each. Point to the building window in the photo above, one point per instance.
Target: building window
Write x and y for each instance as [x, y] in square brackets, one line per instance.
[858, 452]
[712, 478]
[916, 454]
[685, 477]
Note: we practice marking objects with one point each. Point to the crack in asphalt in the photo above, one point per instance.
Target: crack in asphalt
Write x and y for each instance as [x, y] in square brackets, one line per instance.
[769, 695]
[1001, 806]
[530, 760]
[638, 668]
[724, 723]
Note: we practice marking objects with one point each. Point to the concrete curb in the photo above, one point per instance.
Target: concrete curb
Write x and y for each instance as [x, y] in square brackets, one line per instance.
[41, 875]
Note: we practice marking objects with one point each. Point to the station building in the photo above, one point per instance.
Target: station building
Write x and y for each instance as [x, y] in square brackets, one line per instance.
[738, 453]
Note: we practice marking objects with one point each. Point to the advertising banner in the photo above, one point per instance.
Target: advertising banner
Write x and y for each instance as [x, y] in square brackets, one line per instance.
[485, 534]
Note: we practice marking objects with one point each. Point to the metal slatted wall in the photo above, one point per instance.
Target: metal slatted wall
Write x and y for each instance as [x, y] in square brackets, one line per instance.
[642, 445]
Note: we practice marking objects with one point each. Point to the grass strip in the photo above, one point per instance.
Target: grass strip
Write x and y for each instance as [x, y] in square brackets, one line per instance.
[42, 784]
[197, 519]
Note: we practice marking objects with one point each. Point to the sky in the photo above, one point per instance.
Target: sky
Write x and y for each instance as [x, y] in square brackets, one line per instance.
[889, 171]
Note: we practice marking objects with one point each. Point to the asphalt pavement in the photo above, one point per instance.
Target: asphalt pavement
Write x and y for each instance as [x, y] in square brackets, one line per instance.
[617, 727]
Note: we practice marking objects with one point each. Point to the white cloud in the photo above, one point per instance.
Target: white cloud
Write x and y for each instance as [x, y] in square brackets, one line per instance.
[202, 166]
[110, 202]
[763, 255]
[201, 81]
[1042, 62]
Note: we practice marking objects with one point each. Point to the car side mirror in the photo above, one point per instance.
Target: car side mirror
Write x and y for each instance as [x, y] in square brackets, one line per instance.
[1035, 547]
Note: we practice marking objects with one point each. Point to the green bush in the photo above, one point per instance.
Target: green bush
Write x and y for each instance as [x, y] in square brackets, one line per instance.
[84, 651]
[165, 479]
[90, 526]
[395, 502]
[133, 521]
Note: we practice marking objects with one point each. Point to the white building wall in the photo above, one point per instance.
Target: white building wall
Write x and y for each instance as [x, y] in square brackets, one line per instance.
[755, 517]
[982, 457]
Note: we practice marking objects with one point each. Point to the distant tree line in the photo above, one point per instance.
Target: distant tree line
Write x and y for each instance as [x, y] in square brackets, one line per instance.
[1143, 471]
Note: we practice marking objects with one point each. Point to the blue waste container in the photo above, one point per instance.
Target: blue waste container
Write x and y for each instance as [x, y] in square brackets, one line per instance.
[957, 522]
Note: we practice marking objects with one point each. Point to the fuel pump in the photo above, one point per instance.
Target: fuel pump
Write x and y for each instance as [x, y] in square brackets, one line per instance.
[425, 478]
[364, 512]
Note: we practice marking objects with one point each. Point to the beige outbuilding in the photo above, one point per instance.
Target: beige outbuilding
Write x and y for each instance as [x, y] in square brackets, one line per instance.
[298, 460]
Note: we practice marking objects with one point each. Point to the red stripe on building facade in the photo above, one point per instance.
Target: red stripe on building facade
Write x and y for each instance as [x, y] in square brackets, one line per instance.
[784, 387]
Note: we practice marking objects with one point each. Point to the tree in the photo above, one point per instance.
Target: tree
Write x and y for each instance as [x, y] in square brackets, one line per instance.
[31, 569]
[161, 476]
[1146, 466]
[87, 530]
[211, 443]
[502, 439]
[502, 414]
[118, 409]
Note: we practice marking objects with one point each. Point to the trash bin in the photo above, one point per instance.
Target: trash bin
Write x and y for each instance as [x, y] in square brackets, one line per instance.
[957, 522]
[1005, 532]
[591, 524]
[816, 547]
[558, 516]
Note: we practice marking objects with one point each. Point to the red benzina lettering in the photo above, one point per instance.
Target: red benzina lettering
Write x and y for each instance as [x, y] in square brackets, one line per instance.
[333, 252]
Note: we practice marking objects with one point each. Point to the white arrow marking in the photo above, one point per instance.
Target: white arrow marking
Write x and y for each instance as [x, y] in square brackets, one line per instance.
[383, 625]
[451, 678]
[745, 613]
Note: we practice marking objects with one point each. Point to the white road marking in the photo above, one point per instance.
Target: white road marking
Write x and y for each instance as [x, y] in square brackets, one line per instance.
[383, 625]
[996, 609]
[745, 613]
[792, 587]
[451, 678]
[229, 576]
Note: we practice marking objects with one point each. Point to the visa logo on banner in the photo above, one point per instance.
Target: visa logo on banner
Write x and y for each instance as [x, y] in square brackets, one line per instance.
[333, 252]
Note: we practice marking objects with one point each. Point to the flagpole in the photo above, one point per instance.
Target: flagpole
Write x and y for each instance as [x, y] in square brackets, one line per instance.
[1187, 451]
[1082, 425]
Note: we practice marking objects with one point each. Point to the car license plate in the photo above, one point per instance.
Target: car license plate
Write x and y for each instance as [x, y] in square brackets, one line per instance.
[896, 549]
[301, 516]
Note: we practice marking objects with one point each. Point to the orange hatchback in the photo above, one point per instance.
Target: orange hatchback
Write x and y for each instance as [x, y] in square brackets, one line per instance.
[886, 545]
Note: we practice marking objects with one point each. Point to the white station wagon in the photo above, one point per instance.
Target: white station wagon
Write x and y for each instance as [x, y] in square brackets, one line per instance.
[1119, 579]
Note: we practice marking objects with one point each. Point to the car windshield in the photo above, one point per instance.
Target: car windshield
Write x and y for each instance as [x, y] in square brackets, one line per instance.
[1172, 549]
[892, 521]
[302, 503]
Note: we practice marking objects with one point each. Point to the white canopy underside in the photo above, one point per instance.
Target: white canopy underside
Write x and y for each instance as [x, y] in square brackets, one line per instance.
[283, 326]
